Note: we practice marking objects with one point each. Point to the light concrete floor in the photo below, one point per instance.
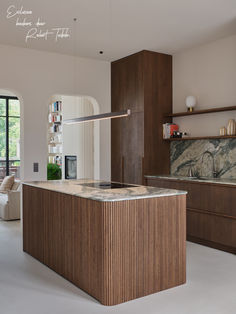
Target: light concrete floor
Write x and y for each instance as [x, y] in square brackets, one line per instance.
[29, 287]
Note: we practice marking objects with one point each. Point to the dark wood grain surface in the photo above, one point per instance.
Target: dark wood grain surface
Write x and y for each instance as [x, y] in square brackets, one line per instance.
[115, 251]
[203, 111]
[211, 211]
[141, 82]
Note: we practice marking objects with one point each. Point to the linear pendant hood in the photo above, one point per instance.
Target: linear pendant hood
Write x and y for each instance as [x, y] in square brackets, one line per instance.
[103, 116]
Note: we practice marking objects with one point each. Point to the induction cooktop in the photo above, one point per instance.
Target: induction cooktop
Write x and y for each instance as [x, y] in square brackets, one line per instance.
[107, 185]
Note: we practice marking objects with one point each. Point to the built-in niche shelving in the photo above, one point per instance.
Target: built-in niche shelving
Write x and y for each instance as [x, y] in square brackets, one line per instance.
[55, 133]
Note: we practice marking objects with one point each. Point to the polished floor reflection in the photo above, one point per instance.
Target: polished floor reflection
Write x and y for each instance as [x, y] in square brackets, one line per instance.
[27, 286]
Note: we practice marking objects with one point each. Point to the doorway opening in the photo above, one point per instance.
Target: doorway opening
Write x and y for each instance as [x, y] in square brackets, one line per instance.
[80, 141]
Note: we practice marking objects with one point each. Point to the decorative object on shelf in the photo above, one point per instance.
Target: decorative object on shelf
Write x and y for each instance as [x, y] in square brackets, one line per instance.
[231, 127]
[190, 102]
[177, 134]
[223, 131]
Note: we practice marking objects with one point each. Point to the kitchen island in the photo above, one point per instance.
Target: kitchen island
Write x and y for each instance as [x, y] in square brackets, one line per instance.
[117, 244]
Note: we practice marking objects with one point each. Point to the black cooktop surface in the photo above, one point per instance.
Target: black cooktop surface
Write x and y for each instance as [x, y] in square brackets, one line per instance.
[107, 185]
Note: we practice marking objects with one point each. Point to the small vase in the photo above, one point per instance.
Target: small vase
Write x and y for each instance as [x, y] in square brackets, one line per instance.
[231, 127]
[223, 131]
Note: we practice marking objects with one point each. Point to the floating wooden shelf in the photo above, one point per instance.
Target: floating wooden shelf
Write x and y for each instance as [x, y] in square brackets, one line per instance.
[200, 138]
[187, 113]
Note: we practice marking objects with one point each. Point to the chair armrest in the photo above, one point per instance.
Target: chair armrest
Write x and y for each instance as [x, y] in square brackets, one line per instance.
[14, 204]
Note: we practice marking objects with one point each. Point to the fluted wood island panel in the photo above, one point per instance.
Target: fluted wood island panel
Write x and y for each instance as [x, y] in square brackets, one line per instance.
[115, 251]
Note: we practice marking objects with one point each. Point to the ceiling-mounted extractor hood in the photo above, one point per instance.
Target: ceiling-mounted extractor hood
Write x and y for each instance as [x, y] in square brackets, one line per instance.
[102, 116]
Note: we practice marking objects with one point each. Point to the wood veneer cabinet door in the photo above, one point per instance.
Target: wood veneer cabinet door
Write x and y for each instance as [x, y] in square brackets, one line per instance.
[157, 101]
[116, 150]
[127, 85]
[212, 230]
[132, 148]
[211, 212]
[33, 222]
[127, 133]
[143, 83]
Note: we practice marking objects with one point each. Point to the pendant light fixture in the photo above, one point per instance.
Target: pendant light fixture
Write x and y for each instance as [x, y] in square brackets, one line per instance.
[102, 116]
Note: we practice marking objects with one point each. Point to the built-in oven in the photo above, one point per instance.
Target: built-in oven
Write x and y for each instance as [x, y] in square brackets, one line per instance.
[70, 167]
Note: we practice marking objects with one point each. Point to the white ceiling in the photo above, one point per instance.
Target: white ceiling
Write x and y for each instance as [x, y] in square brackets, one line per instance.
[122, 27]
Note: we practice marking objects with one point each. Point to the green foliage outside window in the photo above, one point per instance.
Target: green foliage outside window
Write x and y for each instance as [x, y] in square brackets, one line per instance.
[14, 129]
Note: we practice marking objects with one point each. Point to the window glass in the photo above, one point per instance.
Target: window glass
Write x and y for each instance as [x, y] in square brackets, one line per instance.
[2, 107]
[9, 151]
[2, 169]
[14, 138]
[2, 138]
[14, 168]
[14, 107]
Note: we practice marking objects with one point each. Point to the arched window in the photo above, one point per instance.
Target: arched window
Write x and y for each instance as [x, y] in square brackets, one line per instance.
[9, 136]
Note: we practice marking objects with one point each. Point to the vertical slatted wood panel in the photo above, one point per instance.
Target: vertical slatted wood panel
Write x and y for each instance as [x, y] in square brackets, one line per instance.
[33, 222]
[145, 247]
[115, 251]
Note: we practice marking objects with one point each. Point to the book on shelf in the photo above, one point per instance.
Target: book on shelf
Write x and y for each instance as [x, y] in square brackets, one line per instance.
[54, 118]
[56, 106]
[56, 128]
[168, 129]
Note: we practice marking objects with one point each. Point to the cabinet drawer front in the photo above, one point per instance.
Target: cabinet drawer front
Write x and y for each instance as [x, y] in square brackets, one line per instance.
[211, 227]
[214, 198]
[163, 183]
[204, 196]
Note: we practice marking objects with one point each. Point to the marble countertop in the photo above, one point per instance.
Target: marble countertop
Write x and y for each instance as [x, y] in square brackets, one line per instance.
[74, 187]
[206, 180]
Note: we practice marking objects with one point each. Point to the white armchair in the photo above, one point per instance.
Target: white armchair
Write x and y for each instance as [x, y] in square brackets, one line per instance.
[10, 203]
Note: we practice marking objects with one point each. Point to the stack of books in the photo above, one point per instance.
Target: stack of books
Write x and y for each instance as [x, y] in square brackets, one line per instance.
[56, 106]
[169, 129]
[54, 118]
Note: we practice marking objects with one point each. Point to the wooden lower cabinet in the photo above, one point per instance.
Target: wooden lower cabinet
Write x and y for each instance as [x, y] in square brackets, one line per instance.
[211, 211]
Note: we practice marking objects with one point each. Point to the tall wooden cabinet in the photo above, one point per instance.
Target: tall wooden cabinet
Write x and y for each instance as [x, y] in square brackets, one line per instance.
[141, 82]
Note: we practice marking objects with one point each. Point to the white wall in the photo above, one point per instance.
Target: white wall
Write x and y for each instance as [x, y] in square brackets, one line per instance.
[78, 139]
[209, 73]
[6, 93]
[34, 76]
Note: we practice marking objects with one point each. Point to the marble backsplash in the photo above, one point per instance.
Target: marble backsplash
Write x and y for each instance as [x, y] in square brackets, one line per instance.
[185, 154]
